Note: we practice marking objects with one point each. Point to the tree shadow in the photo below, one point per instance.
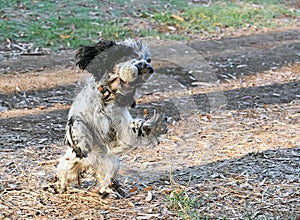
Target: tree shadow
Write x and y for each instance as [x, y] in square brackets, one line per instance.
[34, 129]
[237, 57]
[262, 185]
[248, 185]
[42, 97]
[257, 96]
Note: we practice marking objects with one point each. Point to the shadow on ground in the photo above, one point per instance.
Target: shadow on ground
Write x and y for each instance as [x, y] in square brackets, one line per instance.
[262, 185]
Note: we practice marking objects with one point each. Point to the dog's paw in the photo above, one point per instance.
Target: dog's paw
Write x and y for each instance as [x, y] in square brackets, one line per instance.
[137, 126]
[109, 193]
[156, 125]
[159, 125]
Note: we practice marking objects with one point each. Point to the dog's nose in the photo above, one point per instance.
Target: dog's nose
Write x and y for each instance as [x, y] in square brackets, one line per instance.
[146, 70]
[144, 67]
[151, 69]
[148, 67]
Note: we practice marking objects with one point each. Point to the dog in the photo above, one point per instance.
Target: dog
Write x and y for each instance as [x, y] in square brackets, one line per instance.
[100, 127]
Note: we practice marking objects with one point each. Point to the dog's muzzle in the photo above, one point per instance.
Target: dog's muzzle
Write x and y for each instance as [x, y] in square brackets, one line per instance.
[144, 68]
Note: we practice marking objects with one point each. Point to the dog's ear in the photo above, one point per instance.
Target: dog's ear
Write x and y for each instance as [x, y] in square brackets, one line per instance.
[86, 54]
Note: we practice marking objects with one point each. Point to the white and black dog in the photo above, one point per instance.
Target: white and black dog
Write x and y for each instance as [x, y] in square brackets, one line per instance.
[100, 126]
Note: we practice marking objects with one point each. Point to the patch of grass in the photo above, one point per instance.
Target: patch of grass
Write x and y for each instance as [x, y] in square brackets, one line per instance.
[184, 205]
[225, 14]
[66, 23]
[259, 2]
[57, 24]
[161, 35]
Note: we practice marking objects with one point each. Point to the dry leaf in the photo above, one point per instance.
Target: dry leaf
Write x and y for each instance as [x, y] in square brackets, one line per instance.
[64, 36]
[208, 116]
[148, 188]
[42, 107]
[134, 189]
[149, 196]
[130, 204]
[177, 17]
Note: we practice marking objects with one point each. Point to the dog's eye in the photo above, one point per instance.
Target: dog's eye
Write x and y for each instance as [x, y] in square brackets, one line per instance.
[149, 60]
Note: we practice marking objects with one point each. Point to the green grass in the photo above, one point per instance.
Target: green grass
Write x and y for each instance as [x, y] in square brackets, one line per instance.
[229, 14]
[68, 24]
[54, 24]
[185, 206]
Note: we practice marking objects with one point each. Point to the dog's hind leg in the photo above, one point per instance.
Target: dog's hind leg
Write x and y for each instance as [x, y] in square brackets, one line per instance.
[68, 170]
[106, 171]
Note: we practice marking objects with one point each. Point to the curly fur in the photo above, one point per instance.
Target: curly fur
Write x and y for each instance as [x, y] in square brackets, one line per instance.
[100, 126]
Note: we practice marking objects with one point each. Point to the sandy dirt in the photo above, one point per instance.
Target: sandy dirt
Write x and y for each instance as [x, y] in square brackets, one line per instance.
[236, 152]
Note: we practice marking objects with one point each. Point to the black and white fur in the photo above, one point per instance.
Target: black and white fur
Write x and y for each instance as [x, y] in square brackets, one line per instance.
[100, 128]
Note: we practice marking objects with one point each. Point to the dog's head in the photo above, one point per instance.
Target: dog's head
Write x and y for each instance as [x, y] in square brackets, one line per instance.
[118, 67]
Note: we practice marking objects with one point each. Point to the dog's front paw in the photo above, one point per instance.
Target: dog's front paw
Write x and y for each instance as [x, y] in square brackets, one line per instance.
[156, 125]
[159, 125]
[137, 126]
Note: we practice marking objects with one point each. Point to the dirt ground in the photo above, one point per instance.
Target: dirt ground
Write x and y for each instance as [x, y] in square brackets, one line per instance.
[234, 144]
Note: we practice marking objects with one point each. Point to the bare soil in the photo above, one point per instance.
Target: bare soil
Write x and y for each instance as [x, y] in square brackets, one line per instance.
[239, 159]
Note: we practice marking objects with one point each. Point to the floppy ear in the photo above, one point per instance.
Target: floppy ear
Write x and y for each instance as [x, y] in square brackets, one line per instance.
[86, 54]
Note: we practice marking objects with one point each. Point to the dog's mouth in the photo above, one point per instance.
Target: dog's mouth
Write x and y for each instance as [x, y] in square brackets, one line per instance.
[125, 77]
[147, 70]
[144, 67]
